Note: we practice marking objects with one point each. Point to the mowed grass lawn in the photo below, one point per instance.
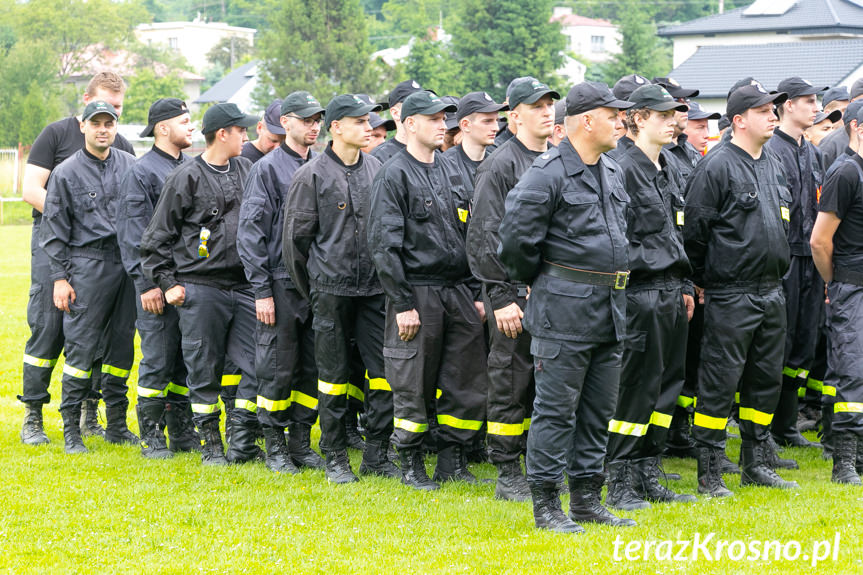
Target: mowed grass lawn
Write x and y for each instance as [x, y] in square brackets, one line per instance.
[111, 511]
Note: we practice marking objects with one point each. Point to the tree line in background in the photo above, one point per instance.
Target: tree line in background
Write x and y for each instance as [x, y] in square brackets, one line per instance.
[323, 46]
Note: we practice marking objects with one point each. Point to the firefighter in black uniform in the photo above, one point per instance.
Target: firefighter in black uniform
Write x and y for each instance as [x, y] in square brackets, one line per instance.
[433, 339]
[162, 390]
[737, 212]
[79, 236]
[838, 252]
[397, 143]
[659, 303]
[677, 149]
[189, 250]
[564, 233]
[510, 366]
[287, 395]
[326, 252]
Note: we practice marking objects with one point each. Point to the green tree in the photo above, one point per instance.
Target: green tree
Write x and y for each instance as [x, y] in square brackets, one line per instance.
[230, 52]
[431, 63]
[145, 87]
[29, 91]
[642, 52]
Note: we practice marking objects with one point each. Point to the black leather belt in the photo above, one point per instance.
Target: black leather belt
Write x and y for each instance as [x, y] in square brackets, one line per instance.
[617, 280]
[848, 276]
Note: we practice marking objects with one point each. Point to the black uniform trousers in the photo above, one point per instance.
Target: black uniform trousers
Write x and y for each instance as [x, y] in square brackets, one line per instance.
[446, 360]
[339, 321]
[576, 392]
[214, 323]
[845, 356]
[654, 365]
[101, 322]
[161, 371]
[744, 339]
[686, 399]
[510, 390]
[285, 362]
[804, 300]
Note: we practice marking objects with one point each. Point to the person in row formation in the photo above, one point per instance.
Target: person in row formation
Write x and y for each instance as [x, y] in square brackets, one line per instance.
[621, 269]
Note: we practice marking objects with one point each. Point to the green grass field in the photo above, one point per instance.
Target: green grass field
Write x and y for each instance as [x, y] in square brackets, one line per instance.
[111, 511]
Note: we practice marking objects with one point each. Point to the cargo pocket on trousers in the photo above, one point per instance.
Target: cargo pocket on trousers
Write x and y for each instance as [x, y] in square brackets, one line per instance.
[542, 350]
[397, 366]
[265, 354]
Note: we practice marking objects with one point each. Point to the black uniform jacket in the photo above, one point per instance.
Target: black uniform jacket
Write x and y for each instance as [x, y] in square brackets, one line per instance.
[388, 149]
[559, 213]
[195, 201]
[325, 244]
[417, 226]
[262, 217]
[465, 165]
[737, 214]
[81, 208]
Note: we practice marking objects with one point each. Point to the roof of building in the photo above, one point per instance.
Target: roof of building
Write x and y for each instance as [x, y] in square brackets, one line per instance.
[576, 20]
[714, 69]
[224, 89]
[802, 16]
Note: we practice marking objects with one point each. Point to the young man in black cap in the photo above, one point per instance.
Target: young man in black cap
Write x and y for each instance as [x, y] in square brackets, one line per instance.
[510, 366]
[804, 290]
[287, 395]
[79, 237]
[680, 153]
[659, 303]
[824, 124]
[737, 213]
[55, 143]
[698, 130]
[564, 234]
[381, 127]
[397, 143]
[836, 98]
[162, 390]
[622, 89]
[189, 250]
[433, 338]
[326, 252]
[270, 133]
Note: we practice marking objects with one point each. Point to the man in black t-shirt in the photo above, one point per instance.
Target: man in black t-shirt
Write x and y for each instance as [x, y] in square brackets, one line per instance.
[54, 144]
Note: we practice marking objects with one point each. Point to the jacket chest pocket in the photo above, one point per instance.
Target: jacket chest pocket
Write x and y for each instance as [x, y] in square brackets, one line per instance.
[678, 205]
[461, 204]
[745, 197]
[420, 204]
[333, 207]
[583, 213]
[86, 200]
[646, 217]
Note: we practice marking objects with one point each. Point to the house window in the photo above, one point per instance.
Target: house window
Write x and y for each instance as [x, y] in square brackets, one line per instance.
[172, 43]
[597, 43]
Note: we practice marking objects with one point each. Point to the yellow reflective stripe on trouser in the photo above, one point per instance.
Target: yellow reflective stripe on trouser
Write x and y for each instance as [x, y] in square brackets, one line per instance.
[246, 404]
[304, 399]
[451, 421]
[497, 428]
[847, 407]
[147, 392]
[205, 408]
[177, 388]
[737, 397]
[660, 419]
[356, 392]
[378, 383]
[75, 372]
[815, 384]
[627, 428]
[39, 361]
[273, 404]
[828, 390]
[438, 393]
[801, 392]
[527, 424]
[759, 417]
[802, 373]
[685, 401]
[332, 388]
[709, 422]
[230, 379]
[115, 371]
[790, 371]
[410, 425]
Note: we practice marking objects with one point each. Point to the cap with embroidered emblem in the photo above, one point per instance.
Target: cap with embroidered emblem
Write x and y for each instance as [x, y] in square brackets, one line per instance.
[527, 90]
[347, 105]
[161, 110]
[301, 104]
[591, 95]
[425, 103]
[98, 107]
[226, 115]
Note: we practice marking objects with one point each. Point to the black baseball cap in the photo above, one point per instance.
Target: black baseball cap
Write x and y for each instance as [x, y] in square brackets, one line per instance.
[478, 102]
[527, 90]
[740, 83]
[224, 116]
[161, 110]
[347, 105]
[674, 88]
[751, 96]
[591, 95]
[426, 103]
[837, 93]
[796, 87]
[696, 112]
[451, 118]
[369, 100]
[403, 90]
[301, 104]
[98, 107]
[851, 111]
[559, 112]
[856, 89]
[833, 116]
[724, 122]
[271, 117]
[655, 97]
[628, 84]
[376, 120]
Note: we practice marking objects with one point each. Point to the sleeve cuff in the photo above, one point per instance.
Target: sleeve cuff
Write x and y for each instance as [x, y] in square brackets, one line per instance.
[142, 285]
[501, 296]
[263, 292]
[404, 305]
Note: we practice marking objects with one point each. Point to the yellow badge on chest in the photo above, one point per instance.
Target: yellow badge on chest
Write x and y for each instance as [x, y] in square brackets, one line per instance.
[679, 218]
[462, 215]
[785, 213]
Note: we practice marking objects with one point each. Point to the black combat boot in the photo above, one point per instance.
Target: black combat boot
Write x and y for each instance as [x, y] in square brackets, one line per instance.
[244, 432]
[72, 442]
[511, 482]
[212, 450]
[90, 419]
[845, 451]
[679, 442]
[299, 444]
[33, 430]
[181, 429]
[621, 487]
[547, 513]
[117, 431]
[648, 484]
[585, 505]
[153, 444]
[355, 440]
[726, 466]
[452, 465]
[784, 425]
[826, 431]
[755, 467]
[375, 460]
[771, 454]
[278, 459]
[710, 480]
[414, 470]
[338, 467]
